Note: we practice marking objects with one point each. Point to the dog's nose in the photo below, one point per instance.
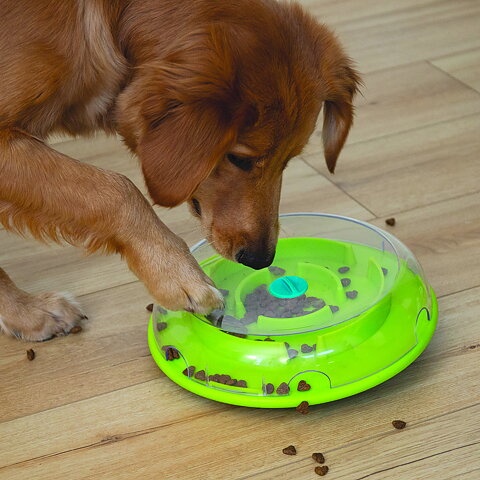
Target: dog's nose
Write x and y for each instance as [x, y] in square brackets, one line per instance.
[252, 259]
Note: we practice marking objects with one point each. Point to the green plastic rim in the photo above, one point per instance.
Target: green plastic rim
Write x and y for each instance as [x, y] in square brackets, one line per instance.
[313, 396]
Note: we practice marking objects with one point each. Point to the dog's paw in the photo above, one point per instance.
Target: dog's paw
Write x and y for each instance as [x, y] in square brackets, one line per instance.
[41, 317]
[192, 291]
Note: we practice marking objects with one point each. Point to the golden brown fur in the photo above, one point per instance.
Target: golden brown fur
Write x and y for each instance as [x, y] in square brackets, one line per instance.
[214, 98]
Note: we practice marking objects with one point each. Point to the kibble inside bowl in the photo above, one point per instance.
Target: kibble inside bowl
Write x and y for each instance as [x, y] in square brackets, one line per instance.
[343, 307]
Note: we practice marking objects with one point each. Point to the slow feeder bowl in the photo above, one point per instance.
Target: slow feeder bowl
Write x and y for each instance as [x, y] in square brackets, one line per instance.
[345, 306]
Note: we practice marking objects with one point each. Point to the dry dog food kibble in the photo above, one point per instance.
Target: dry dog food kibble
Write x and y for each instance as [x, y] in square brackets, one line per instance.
[306, 348]
[303, 386]
[276, 271]
[302, 408]
[321, 470]
[31, 354]
[290, 450]
[390, 221]
[161, 326]
[200, 375]
[345, 282]
[269, 388]
[149, 307]
[241, 383]
[334, 308]
[314, 302]
[283, 389]
[352, 294]
[343, 269]
[76, 329]
[292, 353]
[318, 457]
[188, 372]
[399, 424]
[172, 354]
[232, 382]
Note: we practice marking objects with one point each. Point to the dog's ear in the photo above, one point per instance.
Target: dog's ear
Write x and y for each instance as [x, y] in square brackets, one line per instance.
[191, 115]
[338, 111]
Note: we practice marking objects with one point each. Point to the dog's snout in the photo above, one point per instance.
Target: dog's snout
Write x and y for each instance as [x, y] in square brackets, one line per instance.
[254, 259]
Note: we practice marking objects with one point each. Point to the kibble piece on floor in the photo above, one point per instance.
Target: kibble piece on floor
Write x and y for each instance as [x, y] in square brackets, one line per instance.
[292, 353]
[283, 389]
[321, 470]
[161, 326]
[302, 408]
[241, 383]
[334, 308]
[276, 271]
[290, 450]
[390, 221]
[189, 371]
[303, 386]
[318, 457]
[343, 269]
[76, 329]
[399, 424]
[200, 375]
[269, 388]
[346, 282]
[31, 354]
[149, 307]
[306, 348]
[352, 294]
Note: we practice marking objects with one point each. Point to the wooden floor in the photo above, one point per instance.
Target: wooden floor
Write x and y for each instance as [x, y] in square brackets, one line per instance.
[95, 406]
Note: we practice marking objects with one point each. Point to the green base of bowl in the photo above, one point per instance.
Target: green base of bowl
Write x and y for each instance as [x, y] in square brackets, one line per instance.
[321, 390]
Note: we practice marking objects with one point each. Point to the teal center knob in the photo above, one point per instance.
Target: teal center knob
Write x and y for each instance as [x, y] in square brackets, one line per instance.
[288, 287]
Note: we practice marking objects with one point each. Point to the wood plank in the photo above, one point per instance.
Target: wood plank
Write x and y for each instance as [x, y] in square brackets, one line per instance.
[464, 66]
[445, 238]
[403, 99]
[407, 35]
[140, 422]
[111, 353]
[446, 441]
[412, 169]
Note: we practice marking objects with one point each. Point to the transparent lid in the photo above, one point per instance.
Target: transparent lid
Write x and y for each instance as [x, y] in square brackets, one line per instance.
[327, 269]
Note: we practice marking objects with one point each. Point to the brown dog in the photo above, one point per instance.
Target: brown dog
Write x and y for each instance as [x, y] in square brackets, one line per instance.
[214, 97]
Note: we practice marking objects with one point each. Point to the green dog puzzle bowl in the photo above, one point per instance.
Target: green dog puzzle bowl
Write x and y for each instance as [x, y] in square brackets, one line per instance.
[344, 307]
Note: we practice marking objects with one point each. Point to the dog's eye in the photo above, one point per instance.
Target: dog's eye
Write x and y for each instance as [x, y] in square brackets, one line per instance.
[196, 206]
[242, 163]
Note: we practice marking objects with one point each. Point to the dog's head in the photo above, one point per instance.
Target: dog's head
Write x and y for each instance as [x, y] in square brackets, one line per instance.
[215, 121]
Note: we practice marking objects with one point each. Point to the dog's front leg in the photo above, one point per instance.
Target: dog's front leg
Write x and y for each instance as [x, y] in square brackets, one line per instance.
[57, 197]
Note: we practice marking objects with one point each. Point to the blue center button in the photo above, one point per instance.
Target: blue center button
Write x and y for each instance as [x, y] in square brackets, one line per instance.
[288, 287]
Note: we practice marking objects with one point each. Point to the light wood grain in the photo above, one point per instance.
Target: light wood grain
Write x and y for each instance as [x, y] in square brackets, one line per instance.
[411, 169]
[404, 99]
[95, 406]
[146, 413]
[464, 66]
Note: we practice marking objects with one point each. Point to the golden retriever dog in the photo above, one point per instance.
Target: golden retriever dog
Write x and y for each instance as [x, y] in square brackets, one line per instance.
[214, 97]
